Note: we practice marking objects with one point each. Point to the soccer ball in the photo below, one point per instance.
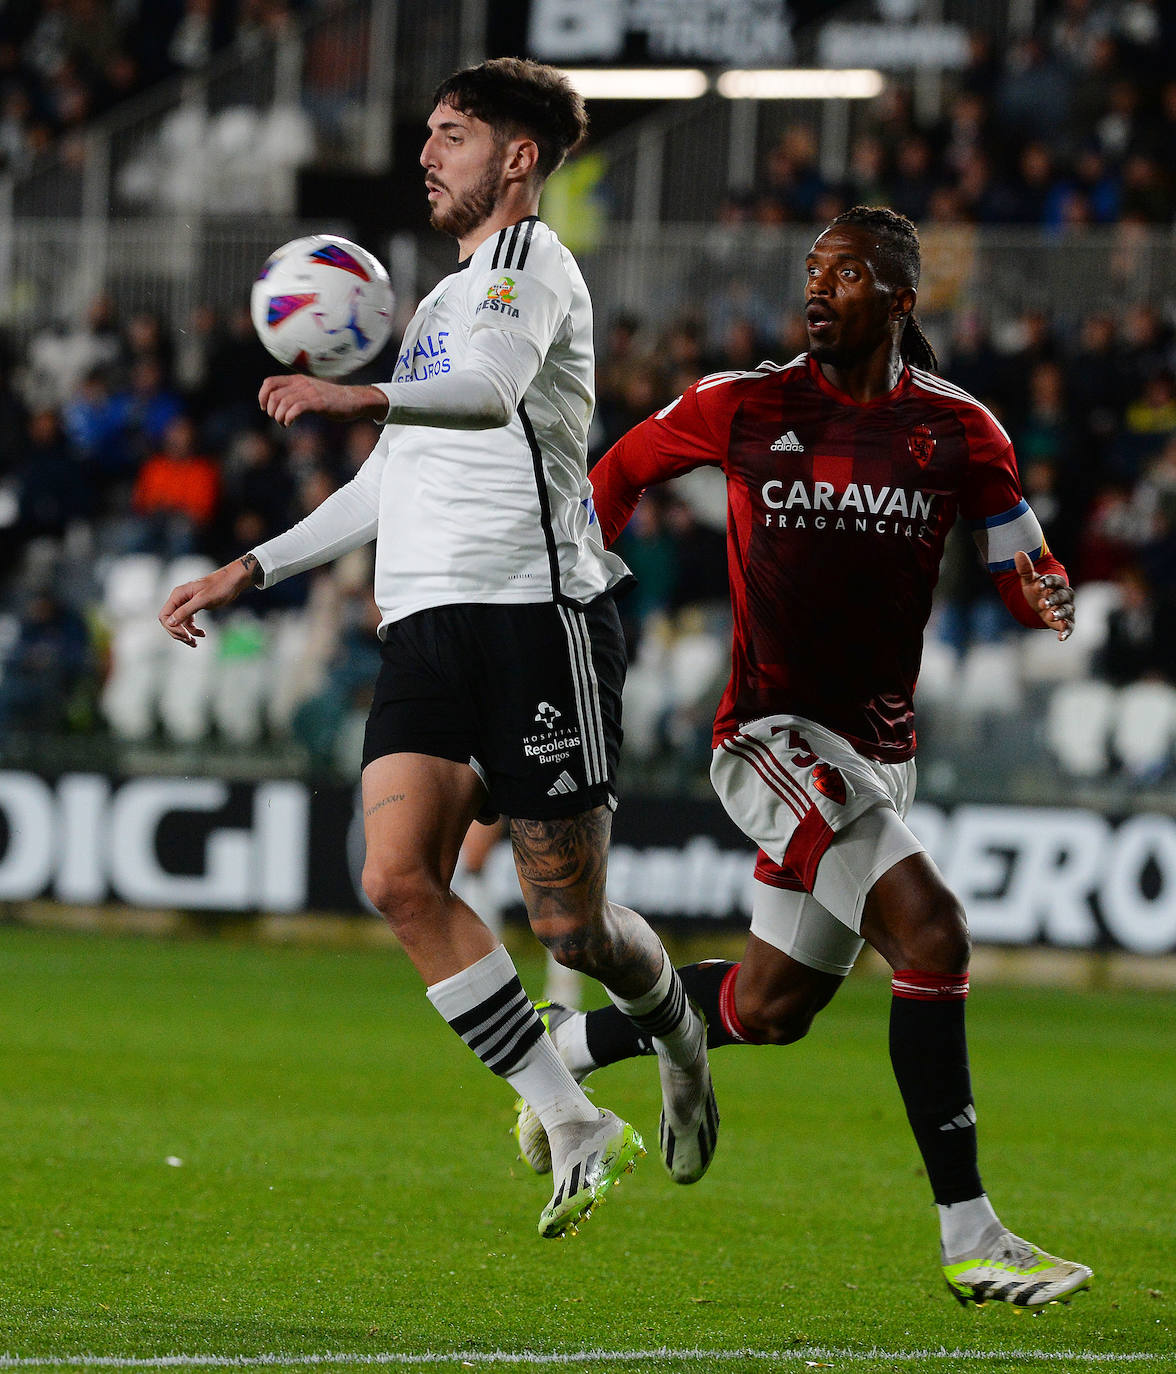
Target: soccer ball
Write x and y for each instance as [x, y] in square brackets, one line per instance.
[322, 305]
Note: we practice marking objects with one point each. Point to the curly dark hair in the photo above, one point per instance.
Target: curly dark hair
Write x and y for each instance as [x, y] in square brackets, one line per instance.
[517, 96]
[901, 259]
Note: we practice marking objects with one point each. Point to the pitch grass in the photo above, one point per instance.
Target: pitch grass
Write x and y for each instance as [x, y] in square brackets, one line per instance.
[234, 1151]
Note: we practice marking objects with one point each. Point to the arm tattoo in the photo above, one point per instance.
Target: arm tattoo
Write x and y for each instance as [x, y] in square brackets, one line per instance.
[384, 801]
[252, 567]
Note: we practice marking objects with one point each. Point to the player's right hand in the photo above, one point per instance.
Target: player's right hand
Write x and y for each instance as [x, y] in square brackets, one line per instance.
[218, 588]
[285, 398]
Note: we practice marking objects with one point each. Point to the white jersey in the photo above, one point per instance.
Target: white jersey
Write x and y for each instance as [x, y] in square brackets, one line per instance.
[477, 514]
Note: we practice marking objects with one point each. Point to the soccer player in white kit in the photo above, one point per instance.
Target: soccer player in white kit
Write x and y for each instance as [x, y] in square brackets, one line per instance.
[503, 659]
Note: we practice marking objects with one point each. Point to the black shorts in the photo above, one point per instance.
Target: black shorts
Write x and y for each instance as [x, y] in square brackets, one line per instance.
[529, 696]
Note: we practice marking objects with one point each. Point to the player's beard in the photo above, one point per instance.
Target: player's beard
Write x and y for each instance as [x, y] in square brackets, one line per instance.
[476, 206]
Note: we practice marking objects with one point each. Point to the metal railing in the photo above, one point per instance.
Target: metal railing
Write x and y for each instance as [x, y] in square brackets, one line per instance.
[53, 267]
[998, 273]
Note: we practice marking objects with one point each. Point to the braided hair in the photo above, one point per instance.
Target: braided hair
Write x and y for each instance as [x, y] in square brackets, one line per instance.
[898, 245]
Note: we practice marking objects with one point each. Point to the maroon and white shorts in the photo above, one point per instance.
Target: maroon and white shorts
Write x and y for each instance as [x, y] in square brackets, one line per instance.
[829, 822]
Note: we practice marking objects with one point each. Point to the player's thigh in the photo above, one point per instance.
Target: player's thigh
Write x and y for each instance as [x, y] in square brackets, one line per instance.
[416, 811]
[859, 858]
[786, 918]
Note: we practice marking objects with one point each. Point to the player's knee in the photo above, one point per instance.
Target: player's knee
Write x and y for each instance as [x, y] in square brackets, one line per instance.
[401, 896]
[776, 1019]
[937, 938]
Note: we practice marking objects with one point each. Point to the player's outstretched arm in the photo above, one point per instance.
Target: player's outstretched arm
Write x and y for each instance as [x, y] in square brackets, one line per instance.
[1049, 595]
[218, 588]
[285, 398]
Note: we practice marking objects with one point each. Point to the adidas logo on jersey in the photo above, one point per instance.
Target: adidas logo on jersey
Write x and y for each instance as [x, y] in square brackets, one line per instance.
[564, 784]
[788, 443]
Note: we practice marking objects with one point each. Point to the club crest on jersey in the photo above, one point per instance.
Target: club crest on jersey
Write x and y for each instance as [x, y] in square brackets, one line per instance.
[922, 444]
[500, 297]
[827, 780]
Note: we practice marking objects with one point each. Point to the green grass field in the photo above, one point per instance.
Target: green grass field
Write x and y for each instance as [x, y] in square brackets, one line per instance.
[240, 1155]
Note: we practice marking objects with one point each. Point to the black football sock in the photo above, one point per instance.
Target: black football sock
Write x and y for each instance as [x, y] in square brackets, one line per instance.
[611, 1036]
[929, 1052]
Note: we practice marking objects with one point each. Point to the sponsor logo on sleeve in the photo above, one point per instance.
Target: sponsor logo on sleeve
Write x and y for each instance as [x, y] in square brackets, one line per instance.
[500, 297]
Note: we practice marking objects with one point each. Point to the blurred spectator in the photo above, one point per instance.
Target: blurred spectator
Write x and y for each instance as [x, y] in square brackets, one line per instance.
[175, 495]
[61, 356]
[48, 666]
[144, 338]
[792, 181]
[970, 359]
[147, 406]
[1034, 90]
[1111, 535]
[867, 182]
[1141, 633]
[52, 488]
[650, 550]
[95, 422]
[1149, 421]
[912, 183]
[641, 392]
[235, 367]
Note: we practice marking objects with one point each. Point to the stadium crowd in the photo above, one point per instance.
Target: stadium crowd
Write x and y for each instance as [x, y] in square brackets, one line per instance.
[1073, 125]
[140, 436]
[124, 438]
[66, 62]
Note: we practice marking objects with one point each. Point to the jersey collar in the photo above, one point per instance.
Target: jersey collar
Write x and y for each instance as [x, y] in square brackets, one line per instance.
[825, 385]
[465, 262]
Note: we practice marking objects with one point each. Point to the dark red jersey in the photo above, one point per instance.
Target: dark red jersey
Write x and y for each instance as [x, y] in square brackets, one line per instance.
[836, 520]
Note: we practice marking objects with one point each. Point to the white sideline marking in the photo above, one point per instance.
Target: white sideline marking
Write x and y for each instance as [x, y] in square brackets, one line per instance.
[396, 1359]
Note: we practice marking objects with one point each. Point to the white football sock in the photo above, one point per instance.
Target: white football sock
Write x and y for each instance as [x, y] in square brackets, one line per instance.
[664, 1014]
[486, 1005]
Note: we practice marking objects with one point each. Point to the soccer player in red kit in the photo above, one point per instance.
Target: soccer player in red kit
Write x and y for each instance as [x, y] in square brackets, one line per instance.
[846, 468]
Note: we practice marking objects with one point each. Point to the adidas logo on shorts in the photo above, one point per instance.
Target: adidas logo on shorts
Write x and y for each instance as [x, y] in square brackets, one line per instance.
[564, 784]
[788, 443]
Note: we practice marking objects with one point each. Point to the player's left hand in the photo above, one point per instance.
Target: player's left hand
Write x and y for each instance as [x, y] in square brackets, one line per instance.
[285, 398]
[1049, 595]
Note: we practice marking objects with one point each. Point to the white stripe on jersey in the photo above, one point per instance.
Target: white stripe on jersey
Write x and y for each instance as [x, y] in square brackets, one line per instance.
[939, 387]
[587, 692]
[765, 369]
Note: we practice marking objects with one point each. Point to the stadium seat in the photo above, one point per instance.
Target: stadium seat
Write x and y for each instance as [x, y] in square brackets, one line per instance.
[180, 570]
[130, 587]
[1077, 726]
[1144, 729]
[129, 696]
[939, 673]
[289, 683]
[1043, 659]
[696, 661]
[990, 680]
[239, 685]
[185, 688]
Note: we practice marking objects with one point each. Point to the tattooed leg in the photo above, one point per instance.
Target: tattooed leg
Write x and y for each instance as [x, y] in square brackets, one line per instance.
[562, 866]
